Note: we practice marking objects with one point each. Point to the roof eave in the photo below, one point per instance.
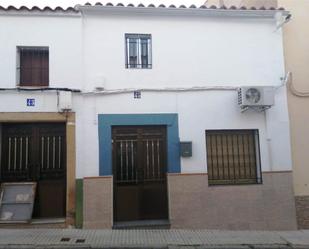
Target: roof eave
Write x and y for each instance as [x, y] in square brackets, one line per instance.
[43, 13]
[37, 11]
[97, 9]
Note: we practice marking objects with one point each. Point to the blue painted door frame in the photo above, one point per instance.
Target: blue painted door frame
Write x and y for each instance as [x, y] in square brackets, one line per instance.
[106, 121]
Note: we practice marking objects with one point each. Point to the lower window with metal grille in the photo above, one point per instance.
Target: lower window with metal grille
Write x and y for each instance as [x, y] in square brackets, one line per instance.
[233, 157]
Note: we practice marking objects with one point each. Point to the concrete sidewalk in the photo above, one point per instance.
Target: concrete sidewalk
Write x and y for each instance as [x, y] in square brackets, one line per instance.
[75, 238]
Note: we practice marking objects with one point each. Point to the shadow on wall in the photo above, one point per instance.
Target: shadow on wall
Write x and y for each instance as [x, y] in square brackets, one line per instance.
[246, 3]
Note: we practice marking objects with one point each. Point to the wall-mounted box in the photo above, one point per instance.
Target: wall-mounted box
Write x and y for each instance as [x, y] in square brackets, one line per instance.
[186, 149]
[64, 101]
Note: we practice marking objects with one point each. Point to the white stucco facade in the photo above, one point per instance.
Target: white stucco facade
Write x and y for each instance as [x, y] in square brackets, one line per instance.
[87, 50]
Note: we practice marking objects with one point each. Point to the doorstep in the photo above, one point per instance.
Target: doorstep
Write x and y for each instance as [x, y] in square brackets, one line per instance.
[47, 221]
[143, 224]
[37, 223]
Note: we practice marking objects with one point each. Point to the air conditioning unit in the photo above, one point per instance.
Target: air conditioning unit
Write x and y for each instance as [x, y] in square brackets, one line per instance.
[256, 96]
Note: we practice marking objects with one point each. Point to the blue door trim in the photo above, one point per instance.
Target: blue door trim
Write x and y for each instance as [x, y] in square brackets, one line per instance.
[106, 121]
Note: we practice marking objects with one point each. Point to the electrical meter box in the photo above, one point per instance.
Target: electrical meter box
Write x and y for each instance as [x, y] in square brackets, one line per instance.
[186, 149]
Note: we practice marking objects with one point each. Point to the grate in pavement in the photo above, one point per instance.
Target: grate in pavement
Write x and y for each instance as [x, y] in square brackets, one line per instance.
[80, 241]
[65, 239]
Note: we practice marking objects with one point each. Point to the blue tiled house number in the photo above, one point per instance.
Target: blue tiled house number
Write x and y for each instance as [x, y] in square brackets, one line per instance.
[30, 102]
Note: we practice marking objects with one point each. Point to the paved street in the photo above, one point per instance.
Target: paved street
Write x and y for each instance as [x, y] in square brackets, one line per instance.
[171, 239]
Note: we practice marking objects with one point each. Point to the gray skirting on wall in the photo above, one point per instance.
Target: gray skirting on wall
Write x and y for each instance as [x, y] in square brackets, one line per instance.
[267, 206]
[195, 205]
[302, 211]
[98, 202]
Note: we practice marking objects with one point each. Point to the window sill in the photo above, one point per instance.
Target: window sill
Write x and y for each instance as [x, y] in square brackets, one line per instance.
[32, 87]
[233, 185]
[138, 67]
[256, 182]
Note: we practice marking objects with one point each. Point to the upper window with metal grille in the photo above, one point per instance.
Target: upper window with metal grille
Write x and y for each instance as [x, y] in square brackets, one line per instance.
[138, 51]
[33, 66]
[233, 157]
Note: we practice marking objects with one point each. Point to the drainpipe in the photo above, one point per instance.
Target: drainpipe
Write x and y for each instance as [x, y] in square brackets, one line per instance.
[269, 141]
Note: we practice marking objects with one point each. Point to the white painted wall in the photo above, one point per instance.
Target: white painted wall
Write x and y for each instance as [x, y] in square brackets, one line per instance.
[187, 51]
[197, 112]
[61, 34]
[17, 101]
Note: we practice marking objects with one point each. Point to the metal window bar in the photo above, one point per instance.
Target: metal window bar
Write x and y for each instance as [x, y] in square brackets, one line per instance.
[231, 156]
[257, 155]
[126, 162]
[17, 154]
[51, 153]
[222, 157]
[27, 150]
[133, 53]
[59, 152]
[138, 51]
[158, 159]
[33, 66]
[20, 153]
[153, 160]
[9, 157]
[149, 46]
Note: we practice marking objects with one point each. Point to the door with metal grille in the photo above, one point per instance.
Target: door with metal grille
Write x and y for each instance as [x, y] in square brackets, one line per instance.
[139, 169]
[36, 152]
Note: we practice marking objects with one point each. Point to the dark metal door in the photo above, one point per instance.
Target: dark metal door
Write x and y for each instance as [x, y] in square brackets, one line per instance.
[36, 152]
[139, 169]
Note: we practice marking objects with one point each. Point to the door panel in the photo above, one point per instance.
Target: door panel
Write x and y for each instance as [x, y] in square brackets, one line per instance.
[51, 171]
[51, 152]
[16, 153]
[139, 167]
[36, 152]
[51, 199]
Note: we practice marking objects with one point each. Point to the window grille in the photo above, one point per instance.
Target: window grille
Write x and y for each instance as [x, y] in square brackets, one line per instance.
[138, 51]
[33, 66]
[233, 157]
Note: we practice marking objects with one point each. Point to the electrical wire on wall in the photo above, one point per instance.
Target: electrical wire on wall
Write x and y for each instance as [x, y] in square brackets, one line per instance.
[40, 89]
[164, 89]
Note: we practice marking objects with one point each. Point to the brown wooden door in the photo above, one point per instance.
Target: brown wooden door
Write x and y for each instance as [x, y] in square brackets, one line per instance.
[36, 152]
[139, 168]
